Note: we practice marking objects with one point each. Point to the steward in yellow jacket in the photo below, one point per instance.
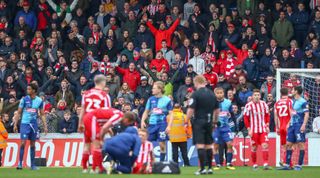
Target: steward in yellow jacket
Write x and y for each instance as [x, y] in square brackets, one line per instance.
[179, 133]
[3, 139]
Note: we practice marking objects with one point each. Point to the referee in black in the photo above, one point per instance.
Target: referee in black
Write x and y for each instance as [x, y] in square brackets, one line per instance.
[204, 110]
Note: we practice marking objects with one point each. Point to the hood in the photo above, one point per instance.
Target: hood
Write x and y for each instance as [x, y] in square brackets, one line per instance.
[132, 130]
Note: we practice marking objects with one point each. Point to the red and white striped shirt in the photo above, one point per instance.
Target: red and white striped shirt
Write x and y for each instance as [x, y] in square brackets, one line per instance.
[256, 116]
[145, 154]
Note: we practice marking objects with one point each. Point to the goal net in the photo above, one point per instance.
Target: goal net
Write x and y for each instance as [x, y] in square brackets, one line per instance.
[309, 79]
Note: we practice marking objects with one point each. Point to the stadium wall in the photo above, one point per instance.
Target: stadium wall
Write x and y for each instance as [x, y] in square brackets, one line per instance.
[62, 150]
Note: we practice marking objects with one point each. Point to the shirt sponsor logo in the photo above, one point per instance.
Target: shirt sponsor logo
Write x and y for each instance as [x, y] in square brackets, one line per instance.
[31, 110]
[157, 111]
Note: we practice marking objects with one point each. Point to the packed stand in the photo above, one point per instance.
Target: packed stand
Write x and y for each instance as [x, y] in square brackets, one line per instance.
[62, 45]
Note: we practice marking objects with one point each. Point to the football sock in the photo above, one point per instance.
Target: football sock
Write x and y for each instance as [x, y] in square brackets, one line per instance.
[97, 159]
[202, 157]
[84, 161]
[217, 159]
[229, 158]
[301, 157]
[265, 155]
[162, 156]
[254, 157]
[209, 156]
[288, 157]
[21, 154]
[32, 155]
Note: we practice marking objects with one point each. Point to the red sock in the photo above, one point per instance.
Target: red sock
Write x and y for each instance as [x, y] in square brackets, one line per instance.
[84, 161]
[97, 159]
[254, 157]
[265, 155]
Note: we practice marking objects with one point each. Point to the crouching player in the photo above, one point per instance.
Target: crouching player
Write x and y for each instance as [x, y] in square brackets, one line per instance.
[222, 132]
[124, 149]
[143, 164]
[97, 123]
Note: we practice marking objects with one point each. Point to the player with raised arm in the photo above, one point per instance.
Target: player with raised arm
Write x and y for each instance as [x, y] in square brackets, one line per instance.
[256, 119]
[282, 115]
[92, 99]
[158, 107]
[97, 123]
[222, 133]
[297, 128]
[30, 107]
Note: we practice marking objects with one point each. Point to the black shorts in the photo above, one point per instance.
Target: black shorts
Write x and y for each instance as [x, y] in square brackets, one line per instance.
[202, 132]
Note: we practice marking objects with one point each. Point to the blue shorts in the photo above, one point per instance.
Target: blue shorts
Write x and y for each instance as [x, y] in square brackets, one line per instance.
[222, 135]
[157, 132]
[29, 131]
[294, 134]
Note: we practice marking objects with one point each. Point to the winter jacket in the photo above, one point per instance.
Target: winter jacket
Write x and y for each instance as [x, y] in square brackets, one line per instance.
[132, 78]
[241, 54]
[143, 92]
[158, 63]
[144, 37]
[69, 125]
[29, 17]
[198, 64]
[301, 20]
[264, 87]
[160, 35]
[251, 65]
[282, 31]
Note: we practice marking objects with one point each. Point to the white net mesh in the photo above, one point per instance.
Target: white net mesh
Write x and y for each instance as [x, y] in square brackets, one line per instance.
[310, 82]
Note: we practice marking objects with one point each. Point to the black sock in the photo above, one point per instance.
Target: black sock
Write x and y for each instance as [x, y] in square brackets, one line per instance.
[202, 157]
[209, 156]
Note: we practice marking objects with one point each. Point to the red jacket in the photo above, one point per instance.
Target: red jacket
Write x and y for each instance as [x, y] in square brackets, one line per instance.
[212, 79]
[42, 20]
[132, 78]
[241, 54]
[160, 35]
[158, 63]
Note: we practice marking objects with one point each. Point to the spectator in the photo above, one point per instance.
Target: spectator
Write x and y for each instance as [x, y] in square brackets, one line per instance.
[67, 125]
[183, 90]
[268, 87]
[7, 48]
[309, 57]
[234, 79]
[228, 66]
[188, 8]
[286, 61]
[126, 93]
[143, 36]
[251, 66]
[197, 62]
[144, 89]
[65, 94]
[211, 77]
[113, 87]
[159, 62]
[63, 11]
[185, 51]
[162, 33]
[231, 36]
[282, 31]
[315, 24]
[168, 53]
[7, 122]
[223, 83]
[130, 76]
[300, 23]
[242, 53]
[28, 15]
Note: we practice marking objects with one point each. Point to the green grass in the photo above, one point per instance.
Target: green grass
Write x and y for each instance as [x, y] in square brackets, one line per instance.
[241, 172]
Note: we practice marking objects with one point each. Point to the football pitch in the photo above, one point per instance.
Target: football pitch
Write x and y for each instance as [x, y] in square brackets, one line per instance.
[240, 172]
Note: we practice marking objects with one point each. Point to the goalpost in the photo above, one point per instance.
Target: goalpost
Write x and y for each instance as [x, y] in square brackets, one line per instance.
[309, 79]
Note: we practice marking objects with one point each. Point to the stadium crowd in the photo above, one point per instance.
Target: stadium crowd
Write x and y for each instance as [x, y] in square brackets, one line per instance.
[236, 45]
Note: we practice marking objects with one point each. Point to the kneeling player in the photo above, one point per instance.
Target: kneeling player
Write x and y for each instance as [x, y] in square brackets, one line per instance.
[143, 164]
[297, 128]
[124, 149]
[97, 123]
[222, 132]
[282, 115]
